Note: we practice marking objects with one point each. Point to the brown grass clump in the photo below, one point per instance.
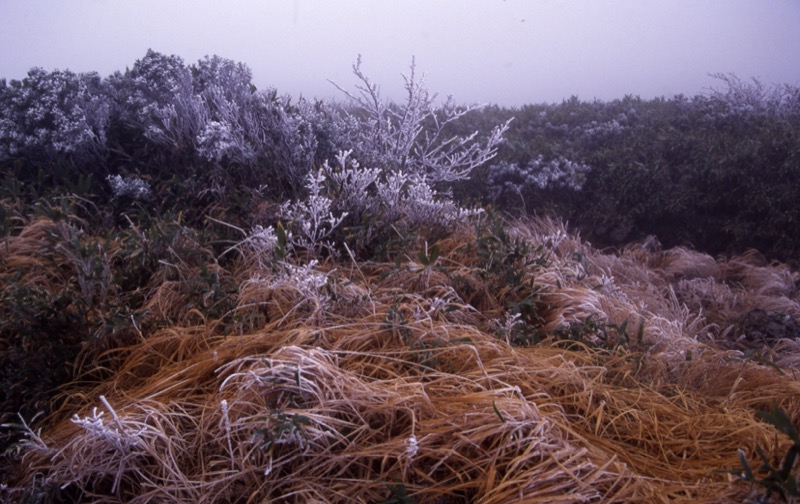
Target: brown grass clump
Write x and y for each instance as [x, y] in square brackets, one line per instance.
[397, 379]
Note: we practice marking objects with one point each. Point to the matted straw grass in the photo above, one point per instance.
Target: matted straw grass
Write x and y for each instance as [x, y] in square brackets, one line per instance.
[400, 380]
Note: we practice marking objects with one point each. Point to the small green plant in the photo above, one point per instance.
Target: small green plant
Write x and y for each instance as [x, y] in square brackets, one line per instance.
[778, 479]
[523, 320]
[429, 256]
[617, 335]
[397, 322]
[399, 494]
[282, 428]
[505, 260]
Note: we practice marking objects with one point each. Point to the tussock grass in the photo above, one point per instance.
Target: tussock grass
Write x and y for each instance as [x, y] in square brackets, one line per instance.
[395, 374]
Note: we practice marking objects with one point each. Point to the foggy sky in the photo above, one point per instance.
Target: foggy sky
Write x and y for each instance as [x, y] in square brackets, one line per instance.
[509, 52]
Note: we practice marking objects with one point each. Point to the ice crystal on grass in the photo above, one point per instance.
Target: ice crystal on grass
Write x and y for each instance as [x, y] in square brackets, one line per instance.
[118, 436]
[304, 278]
[412, 447]
[227, 424]
[301, 287]
[109, 446]
[553, 240]
[33, 439]
[437, 306]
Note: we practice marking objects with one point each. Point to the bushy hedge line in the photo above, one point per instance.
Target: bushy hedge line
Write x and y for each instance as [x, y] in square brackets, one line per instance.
[718, 171]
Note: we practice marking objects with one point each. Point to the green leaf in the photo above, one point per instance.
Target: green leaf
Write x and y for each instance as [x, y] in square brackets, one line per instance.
[423, 259]
[623, 329]
[428, 256]
[299, 420]
[399, 494]
[434, 252]
[280, 232]
[765, 463]
[767, 362]
[747, 472]
[781, 421]
[497, 412]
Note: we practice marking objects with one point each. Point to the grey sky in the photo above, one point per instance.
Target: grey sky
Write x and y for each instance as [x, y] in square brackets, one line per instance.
[509, 52]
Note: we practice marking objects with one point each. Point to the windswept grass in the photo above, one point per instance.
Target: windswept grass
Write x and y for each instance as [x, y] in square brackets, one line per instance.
[514, 366]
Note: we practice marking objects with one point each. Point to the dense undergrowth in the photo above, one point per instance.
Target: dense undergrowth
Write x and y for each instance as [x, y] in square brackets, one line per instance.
[211, 293]
[505, 363]
[714, 171]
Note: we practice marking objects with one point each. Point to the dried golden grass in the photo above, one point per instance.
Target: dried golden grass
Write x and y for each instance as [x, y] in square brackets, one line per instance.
[38, 256]
[754, 274]
[680, 262]
[375, 387]
[20, 255]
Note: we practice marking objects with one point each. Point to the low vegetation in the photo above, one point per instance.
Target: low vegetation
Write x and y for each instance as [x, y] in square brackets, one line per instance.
[213, 294]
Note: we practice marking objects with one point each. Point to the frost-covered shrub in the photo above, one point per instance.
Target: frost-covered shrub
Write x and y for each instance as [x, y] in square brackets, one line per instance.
[505, 179]
[405, 155]
[234, 128]
[332, 127]
[132, 187]
[412, 136]
[601, 131]
[284, 142]
[156, 99]
[559, 172]
[233, 79]
[209, 120]
[255, 137]
[56, 114]
[754, 98]
[395, 197]
[311, 219]
[418, 203]
[368, 202]
[217, 142]
[352, 185]
[263, 241]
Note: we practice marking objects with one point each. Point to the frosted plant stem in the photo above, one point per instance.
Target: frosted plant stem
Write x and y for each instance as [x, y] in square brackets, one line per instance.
[227, 422]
